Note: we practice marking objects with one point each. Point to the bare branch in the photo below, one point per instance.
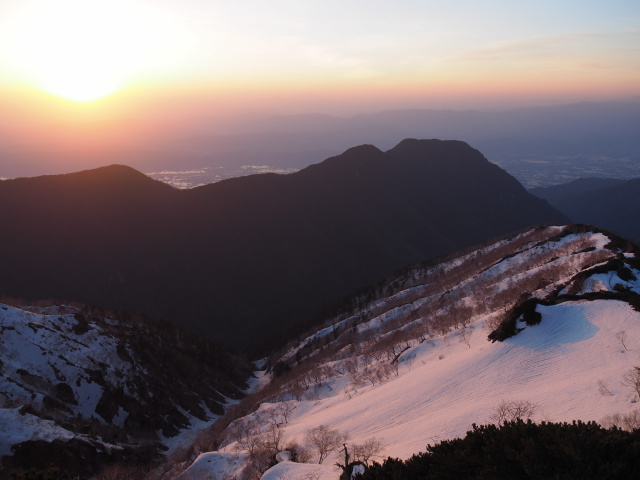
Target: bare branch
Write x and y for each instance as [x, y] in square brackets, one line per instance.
[325, 440]
[622, 336]
[511, 410]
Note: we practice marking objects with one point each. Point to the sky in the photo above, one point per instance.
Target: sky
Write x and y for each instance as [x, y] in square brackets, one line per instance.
[91, 74]
[324, 56]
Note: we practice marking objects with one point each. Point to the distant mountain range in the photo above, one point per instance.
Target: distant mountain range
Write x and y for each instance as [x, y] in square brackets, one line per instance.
[247, 261]
[608, 203]
[540, 146]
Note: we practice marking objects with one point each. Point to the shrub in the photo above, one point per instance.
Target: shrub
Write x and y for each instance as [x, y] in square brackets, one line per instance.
[525, 309]
[523, 450]
[626, 274]
[512, 410]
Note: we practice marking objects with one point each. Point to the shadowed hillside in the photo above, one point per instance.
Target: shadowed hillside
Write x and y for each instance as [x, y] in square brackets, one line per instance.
[243, 260]
[82, 388]
[608, 203]
[559, 193]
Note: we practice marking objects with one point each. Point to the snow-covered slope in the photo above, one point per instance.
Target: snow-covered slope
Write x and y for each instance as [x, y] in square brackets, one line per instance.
[444, 386]
[105, 379]
[410, 363]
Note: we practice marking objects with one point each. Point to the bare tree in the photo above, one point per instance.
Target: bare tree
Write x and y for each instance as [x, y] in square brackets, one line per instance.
[377, 373]
[367, 375]
[284, 409]
[367, 450]
[295, 389]
[299, 453]
[246, 433]
[327, 372]
[629, 421]
[632, 378]
[366, 359]
[316, 374]
[259, 462]
[465, 336]
[393, 367]
[510, 410]
[622, 336]
[273, 437]
[325, 440]
[351, 365]
[409, 361]
[602, 388]
[262, 438]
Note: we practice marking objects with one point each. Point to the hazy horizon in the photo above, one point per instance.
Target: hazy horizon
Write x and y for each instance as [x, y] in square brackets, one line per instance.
[98, 77]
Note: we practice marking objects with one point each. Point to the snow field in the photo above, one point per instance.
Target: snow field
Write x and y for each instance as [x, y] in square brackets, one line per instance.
[556, 364]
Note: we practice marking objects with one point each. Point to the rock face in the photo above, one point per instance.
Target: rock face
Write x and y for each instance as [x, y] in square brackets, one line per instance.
[248, 260]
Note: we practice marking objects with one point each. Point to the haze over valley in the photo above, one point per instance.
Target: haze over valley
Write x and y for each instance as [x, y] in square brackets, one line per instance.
[541, 146]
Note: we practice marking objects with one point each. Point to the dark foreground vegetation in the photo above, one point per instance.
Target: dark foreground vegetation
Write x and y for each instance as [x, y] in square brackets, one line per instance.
[523, 450]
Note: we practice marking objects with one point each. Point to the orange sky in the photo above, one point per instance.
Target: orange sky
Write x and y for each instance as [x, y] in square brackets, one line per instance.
[98, 69]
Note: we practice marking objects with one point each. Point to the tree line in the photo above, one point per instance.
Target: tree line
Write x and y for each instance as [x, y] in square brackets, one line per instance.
[524, 450]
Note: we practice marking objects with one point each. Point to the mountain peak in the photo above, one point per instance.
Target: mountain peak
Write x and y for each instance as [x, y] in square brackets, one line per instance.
[116, 174]
[365, 149]
[95, 180]
[414, 145]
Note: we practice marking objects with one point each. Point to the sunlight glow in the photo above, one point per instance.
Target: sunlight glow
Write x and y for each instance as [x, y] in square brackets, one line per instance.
[322, 56]
[84, 50]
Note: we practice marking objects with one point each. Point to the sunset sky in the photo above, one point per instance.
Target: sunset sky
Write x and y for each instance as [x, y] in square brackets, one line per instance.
[325, 56]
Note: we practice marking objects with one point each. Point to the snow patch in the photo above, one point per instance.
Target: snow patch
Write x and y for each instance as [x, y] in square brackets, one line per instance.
[218, 465]
[301, 471]
[17, 428]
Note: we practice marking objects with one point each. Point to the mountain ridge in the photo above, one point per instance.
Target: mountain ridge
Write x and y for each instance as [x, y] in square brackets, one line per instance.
[192, 256]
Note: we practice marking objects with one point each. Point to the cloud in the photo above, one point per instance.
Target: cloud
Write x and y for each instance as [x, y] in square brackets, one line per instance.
[554, 46]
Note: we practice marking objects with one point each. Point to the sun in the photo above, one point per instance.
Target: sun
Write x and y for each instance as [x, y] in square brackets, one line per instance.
[83, 50]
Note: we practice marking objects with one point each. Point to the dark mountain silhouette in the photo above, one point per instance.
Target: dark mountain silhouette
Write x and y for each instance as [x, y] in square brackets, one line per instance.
[246, 260]
[557, 194]
[610, 204]
[512, 138]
